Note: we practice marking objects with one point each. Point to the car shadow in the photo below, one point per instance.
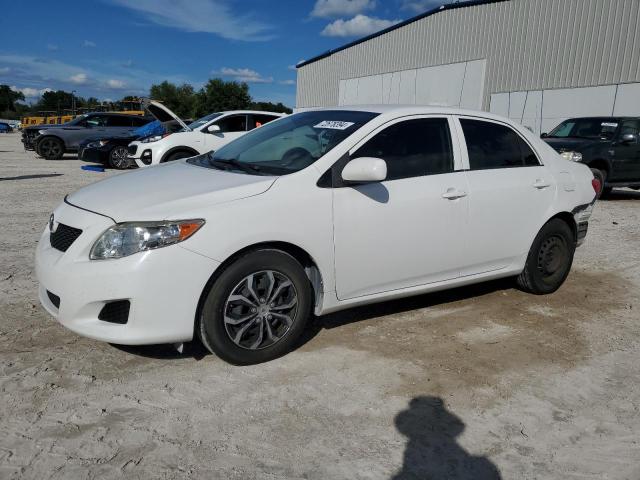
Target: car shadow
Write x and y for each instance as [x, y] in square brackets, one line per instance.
[197, 351]
[432, 451]
[622, 195]
[29, 177]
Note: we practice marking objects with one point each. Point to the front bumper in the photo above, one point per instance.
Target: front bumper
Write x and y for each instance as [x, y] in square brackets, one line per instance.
[93, 155]
[163, 286]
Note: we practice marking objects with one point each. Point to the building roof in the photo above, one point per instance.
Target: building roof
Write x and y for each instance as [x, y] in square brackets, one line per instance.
[433, 11]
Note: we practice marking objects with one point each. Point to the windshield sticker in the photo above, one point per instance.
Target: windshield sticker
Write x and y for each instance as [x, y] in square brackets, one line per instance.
[333, 124]
[607, 124]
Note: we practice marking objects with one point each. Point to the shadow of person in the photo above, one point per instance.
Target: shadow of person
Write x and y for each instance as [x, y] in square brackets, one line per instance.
[432, 451]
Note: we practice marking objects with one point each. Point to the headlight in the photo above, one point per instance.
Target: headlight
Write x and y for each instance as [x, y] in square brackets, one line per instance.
[572, 156]
[155, 138]
[41, 132]
[102, 143]
[125, 239]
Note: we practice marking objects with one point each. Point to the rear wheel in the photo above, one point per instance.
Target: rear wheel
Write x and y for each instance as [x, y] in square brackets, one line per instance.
[50, 148]
[257, 309]
[118, 158]
[549, 260]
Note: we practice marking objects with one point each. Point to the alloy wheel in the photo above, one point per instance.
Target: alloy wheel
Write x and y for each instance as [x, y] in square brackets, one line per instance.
[119, 158]
[49, 148]
[260, 310]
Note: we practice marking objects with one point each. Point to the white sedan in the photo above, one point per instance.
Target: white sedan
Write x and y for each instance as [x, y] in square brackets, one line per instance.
[208, 133]
[312, 213]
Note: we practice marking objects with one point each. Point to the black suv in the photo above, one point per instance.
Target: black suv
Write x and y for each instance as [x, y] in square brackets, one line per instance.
[610, 146]
[53, 141]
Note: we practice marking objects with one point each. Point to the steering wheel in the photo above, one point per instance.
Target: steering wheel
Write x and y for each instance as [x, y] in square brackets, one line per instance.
[297, 157]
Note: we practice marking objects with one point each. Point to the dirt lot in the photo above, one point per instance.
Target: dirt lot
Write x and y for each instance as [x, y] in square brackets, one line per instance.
[484, 381]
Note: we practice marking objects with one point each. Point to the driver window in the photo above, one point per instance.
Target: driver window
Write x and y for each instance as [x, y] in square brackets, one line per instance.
[97, 121]
[233, 123]
[412, 148]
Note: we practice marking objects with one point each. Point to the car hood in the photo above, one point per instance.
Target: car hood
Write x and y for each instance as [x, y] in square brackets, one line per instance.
[162, 113]
[166, 192]
[570, 143]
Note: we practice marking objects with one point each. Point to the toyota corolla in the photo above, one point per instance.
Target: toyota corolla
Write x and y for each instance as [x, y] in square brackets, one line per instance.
[312, 213]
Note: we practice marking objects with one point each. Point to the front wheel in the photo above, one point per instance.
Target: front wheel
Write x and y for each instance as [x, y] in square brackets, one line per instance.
[178, 156]
[549, 260]
[50, 148]
[257, 309]
[119, 158]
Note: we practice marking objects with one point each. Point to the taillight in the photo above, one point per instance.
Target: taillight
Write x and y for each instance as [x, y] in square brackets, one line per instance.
[597, 186]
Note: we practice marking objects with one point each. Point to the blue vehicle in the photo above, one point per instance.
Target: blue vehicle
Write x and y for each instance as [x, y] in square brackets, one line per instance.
[5, 128]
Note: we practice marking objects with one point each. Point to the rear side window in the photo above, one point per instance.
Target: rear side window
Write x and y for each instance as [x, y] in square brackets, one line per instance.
[495, 146]
[118, 121]
[260, 120]
[412, 148]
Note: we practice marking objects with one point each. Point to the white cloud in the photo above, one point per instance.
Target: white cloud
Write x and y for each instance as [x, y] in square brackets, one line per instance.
[210, 16]
[421, 6]
[359, 25]
[31, 92]
[338, 8]
[51, 47]
[243, 75]
[79, 78]
[115, 84]
[287, 82]
[88, 43]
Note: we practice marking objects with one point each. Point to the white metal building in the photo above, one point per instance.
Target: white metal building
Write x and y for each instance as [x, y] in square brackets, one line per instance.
[535, 61]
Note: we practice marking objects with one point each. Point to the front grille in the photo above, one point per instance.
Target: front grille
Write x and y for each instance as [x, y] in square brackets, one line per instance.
[115, 312]
[132, 149]
[55, 299]
[63, 237]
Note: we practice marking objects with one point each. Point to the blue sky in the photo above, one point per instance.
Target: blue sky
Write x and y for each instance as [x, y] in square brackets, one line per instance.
[112, 48]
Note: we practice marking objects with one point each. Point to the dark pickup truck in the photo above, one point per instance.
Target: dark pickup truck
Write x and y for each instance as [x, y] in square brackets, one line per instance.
[610, 146]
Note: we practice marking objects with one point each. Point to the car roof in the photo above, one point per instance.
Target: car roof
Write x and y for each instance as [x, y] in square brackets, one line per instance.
[257, 112]
[401, 110]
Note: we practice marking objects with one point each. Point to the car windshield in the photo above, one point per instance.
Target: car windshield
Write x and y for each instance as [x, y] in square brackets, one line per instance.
[201, 121]
[77, 120]
[594, 128]
[286, 145]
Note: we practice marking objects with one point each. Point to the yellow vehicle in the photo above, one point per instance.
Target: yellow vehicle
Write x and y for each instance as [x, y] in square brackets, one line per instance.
[131, 107]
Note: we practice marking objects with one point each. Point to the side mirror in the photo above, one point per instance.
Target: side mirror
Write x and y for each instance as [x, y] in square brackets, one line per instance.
[629, 138]
[213, 129]
[365, 170]
[544, 135]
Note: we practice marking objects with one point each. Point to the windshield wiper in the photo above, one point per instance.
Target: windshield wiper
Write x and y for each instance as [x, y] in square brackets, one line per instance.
[232, 162]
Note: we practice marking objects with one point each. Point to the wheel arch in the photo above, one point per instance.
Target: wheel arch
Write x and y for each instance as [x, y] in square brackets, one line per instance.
[301, 255]
[180, 148]
[569, 219]
[48, 135]
[600, 164]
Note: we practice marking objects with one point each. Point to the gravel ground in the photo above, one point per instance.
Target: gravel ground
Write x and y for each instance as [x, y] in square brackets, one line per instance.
[478, 382]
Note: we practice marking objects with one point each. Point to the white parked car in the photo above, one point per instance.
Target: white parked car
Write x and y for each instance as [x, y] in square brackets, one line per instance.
[204, 135]
[316, 212]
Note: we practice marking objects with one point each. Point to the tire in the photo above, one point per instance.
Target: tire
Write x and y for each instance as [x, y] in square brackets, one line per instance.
[601, 176]
[178, 156]
[260, 332]
[118, 158]
[50, 148]
[549, 260]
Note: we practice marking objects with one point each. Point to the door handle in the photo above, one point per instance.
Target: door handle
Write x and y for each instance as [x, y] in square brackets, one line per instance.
[540, 183]
[453, 194]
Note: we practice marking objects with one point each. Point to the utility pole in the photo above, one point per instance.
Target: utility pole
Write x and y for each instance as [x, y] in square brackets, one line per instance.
[73, 103]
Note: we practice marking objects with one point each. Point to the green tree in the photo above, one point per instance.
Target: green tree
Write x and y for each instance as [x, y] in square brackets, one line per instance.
[8, 99]
[270, 107]
[218, 95]
[178, 98]
[56, 101]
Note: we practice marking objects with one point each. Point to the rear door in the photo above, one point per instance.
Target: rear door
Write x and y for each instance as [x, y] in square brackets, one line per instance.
[510, 194]
[626, 164]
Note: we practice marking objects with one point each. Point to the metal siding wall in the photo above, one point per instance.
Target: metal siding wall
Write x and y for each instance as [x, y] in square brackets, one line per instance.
[528, 45]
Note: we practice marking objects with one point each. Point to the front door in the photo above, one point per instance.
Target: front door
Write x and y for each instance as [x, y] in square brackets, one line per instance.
[510, 195]
[407, 230]
[626, 163]
[231, 127]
